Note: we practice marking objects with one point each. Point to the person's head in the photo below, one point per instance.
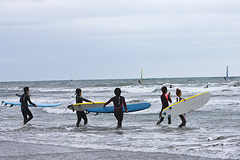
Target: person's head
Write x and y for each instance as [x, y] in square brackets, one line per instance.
[178, 92]
[164, 90]
[78, 92]
[117, 91]
[26, 90]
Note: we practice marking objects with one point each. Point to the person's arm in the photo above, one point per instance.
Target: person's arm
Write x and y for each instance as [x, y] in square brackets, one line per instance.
[86, 100]
[161, 97]
[29, 100]
[169, 97]
[125, 106]
[107, 102]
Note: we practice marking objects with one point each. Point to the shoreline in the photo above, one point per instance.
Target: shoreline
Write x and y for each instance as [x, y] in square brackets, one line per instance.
[24, 151]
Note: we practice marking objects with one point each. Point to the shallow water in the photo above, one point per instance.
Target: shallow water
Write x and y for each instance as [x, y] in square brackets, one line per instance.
[212, 129]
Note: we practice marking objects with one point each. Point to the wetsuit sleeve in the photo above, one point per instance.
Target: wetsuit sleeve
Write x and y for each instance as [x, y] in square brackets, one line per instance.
[29, 100]
[162, 100]
[108, 102]
[177, 99]
[86, 100]
[124, 104]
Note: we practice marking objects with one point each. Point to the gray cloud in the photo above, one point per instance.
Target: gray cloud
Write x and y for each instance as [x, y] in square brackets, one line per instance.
[115, 39]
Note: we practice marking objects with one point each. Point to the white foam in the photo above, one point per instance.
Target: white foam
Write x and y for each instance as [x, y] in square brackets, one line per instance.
[154, 144]
[212, 129]
[58, 111]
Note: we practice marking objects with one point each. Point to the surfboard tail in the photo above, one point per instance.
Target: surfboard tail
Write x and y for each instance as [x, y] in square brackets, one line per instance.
[5, 104]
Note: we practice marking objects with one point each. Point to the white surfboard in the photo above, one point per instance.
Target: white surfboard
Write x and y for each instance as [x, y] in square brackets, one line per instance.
[190, 104]
[83, 106]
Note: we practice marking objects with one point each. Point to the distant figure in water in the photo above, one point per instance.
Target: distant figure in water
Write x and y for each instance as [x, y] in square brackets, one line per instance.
[165, 98]
[182, 116]
[119, 103]
[139, 81]
[171, 86]
[235, 85]
[25, 98]
[81, 114]
[206, 86]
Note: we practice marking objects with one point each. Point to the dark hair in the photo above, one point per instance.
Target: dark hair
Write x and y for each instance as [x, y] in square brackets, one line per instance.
[164, 90]
[78, 91]
[178, 92]
[25, 89]
[117, 91]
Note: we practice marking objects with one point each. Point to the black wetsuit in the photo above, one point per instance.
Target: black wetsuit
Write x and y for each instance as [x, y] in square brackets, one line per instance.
[182, 116]
[118, 102]
[81, 114]
[24, 107]
[165, 104]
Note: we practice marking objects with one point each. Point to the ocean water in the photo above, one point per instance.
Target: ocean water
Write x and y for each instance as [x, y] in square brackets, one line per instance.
[212, 131]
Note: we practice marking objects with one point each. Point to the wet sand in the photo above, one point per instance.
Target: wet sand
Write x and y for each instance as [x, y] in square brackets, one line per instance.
[27, 151]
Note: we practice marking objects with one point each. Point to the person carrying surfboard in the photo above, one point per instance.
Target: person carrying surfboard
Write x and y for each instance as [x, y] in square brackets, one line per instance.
[165, 98]
[182, 116]
[25, 98]
[81, 114]
[119, 102]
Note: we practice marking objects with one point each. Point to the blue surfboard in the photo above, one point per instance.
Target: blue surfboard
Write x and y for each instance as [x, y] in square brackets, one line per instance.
[38, 104]
[110, 109]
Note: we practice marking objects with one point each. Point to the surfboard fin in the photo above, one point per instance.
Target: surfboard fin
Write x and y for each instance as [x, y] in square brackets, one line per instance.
[96, 114]
[66, 109]
[11, 105]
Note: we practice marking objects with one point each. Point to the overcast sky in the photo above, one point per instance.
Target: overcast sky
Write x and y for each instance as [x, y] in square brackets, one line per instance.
[105, 39]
